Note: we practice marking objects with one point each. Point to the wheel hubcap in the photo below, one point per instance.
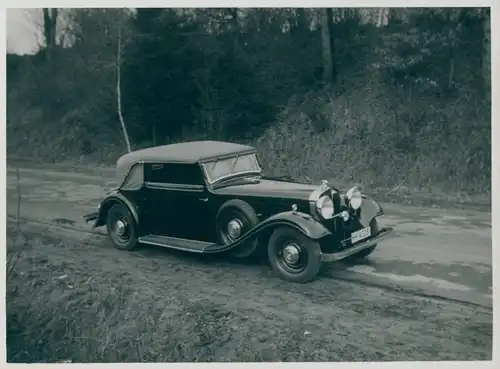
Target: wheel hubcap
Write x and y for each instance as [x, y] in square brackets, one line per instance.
[234, 228]
[120, 227]
[291, 253]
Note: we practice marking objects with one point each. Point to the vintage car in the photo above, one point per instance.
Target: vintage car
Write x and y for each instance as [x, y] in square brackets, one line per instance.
[212, 197]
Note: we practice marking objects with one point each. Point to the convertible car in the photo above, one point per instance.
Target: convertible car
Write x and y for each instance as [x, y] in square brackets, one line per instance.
[212, 197]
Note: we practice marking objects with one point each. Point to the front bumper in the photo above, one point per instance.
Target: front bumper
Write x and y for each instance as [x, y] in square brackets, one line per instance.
[362, 245]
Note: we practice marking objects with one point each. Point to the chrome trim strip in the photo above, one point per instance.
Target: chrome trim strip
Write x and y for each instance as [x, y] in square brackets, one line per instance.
[177, 239]
[174, 187]
[154, 243]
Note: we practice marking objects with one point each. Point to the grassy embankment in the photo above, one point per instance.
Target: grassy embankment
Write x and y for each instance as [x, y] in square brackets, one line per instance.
[361, 137]
[66, 301]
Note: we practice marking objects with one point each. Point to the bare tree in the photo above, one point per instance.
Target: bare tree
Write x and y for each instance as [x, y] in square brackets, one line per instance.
[329, 72]
[50, 29]
[236, 28]
[99, 37]
[118, 89]
[382, 17]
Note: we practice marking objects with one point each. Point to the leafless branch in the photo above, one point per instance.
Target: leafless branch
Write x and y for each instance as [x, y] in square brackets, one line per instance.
[395, 188]
[118, 90]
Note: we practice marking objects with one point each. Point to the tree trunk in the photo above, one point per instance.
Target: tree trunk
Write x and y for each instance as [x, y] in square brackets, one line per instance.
[235, 26]
[46, 26]
[329, 71]
[302, 20]
[302, 23]
[53, 16]
[382, 17]
[49, 29]
[451, 73]
[396, 15]
[486, 57]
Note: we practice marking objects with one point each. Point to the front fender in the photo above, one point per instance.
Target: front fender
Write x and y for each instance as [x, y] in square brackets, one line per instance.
[300, 221]
[369, 209]
[113, 198]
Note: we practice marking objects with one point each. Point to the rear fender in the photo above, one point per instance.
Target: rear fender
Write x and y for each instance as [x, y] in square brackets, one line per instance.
[302, 222]
[112, 198]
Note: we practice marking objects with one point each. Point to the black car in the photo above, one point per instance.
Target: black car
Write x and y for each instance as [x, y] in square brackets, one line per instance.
[212, 197]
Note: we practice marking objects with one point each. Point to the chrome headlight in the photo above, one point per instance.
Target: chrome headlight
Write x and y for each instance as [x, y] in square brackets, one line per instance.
[354, 197]
[325, 207]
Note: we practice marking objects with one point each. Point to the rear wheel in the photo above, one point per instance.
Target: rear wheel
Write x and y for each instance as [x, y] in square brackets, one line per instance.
[121, 227]
[294, 256]
[234, 219]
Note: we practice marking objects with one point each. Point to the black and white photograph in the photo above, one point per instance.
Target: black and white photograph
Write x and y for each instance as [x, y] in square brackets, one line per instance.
[189, 184]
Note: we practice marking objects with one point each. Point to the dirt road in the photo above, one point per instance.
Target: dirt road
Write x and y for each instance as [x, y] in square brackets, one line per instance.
[160, 305]
[444, 253]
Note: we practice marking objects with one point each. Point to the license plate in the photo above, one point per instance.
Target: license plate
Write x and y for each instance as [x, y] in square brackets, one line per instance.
[360, 235]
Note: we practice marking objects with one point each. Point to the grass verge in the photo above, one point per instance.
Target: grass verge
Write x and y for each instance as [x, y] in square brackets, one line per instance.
[66, 301]
[400, 195]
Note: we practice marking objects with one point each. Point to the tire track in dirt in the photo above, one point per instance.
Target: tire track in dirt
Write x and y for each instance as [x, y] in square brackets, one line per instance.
[215, 261]
[326, 320]
[435, 252]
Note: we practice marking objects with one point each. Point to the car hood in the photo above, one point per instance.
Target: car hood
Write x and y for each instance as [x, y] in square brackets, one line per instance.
[262, 187]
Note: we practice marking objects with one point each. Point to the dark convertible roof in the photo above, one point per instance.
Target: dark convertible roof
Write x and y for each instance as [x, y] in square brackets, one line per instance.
[187, 152]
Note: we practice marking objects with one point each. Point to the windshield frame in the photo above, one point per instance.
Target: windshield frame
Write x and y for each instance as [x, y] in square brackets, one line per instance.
[210, 181]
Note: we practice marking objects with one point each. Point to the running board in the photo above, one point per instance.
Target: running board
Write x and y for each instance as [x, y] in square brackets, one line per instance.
[177, 243]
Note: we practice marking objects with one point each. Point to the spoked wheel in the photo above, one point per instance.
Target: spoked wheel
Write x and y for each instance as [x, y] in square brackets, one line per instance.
[294, 256]
[234, 219]
[121, 227]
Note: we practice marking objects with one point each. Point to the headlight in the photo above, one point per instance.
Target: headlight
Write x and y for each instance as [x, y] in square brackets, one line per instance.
[354, 197]
[325, 207]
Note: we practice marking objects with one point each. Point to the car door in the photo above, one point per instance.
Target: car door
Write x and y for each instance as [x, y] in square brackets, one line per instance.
[176, 200]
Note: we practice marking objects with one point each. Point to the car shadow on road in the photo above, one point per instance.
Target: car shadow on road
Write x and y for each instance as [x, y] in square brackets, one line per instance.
[258, 264]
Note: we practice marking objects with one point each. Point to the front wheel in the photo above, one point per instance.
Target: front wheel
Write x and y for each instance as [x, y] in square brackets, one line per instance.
[294, 256]
[121, 228]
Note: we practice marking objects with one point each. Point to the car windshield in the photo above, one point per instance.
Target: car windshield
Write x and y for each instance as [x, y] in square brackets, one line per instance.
[230, 167]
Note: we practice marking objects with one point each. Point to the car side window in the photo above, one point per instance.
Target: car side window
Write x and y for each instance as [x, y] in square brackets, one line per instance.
[189, 174]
